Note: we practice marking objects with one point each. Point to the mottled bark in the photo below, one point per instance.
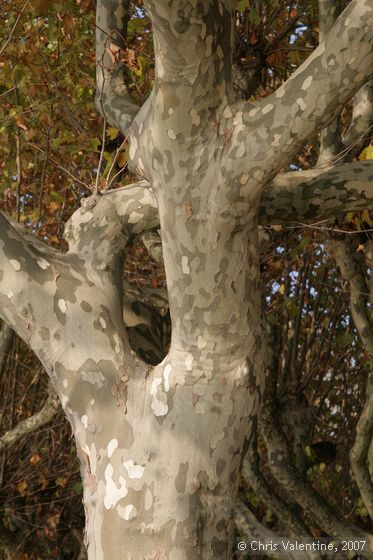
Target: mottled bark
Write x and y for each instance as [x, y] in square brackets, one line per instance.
[276, 127]
[351, 270]
[112, 98]
[304, 197]
[249, 526]
[161, 448]
[279, 457]
[311, 196]
[330, 139]
[251, 471]
[362, 116]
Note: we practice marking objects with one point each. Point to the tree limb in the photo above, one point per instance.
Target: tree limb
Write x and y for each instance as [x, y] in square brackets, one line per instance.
[302, 197]
[24, 273]
[285, 473]
[308, 101]
[315, 195]
[112, 98]
[351, 271]
[362, 116]
[193, 44]
[253, 475]
[44, 292]
[34, 422]
[252, 529]
[296, 197]
[330, 140]
[6, 338]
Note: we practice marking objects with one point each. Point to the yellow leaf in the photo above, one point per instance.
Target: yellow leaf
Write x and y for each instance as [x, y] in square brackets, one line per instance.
[367, 153]
[366, 218]
[22, 487]
[112, 132]
[282, 289]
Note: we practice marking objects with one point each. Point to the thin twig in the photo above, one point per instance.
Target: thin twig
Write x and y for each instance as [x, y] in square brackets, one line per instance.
[43, 172]
[10, 36]
[114, 162]
[60, 166]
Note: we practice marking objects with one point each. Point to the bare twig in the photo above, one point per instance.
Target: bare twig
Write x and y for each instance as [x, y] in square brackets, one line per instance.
[60, 166]
[30, 425]
[10, 36]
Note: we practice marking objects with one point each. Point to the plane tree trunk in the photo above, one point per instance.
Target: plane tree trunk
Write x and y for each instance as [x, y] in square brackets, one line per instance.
[161, 448]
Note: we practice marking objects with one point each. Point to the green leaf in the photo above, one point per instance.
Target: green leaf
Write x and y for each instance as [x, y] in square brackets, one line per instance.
[77, 488]
[242, 5]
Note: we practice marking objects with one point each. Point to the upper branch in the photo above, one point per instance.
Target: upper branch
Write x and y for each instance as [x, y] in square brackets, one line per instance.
[311, 196]
[314, 94]
[112, 98]
[193, 47]
[330, 138]
[362, 115]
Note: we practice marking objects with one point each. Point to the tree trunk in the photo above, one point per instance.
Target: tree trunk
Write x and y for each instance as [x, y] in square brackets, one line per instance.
[161, 448]
[162, 479]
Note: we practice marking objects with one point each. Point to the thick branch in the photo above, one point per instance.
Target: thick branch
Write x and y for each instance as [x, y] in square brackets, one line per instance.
[34, 423]
[112, 98]
[330, 141]
[315, 195]
[313, 96]
[77, 295]
[297, 197]
[6, 337]
[24, 275]
[252, 474]
[362, 116]
[351, 271]
[300, 491]
[248, 525]
[193, 48]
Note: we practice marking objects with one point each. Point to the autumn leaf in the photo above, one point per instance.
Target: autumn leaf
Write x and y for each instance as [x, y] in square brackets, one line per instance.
[34, 459]
[367, 153]
[22, 487]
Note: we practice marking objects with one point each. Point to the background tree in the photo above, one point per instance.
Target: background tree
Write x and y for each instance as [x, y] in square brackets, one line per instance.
[315, 377]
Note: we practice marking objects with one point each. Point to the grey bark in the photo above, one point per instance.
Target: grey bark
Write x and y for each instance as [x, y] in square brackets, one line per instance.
[250, 527]
[351, 270]
[330, 139]
[161, 448]
[6, 338]
[362, 117]
[251, 471]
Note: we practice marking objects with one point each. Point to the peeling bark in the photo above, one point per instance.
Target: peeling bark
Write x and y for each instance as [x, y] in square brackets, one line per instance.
[112, 98]
[362, 116]
[330, 139]
[161, 448]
